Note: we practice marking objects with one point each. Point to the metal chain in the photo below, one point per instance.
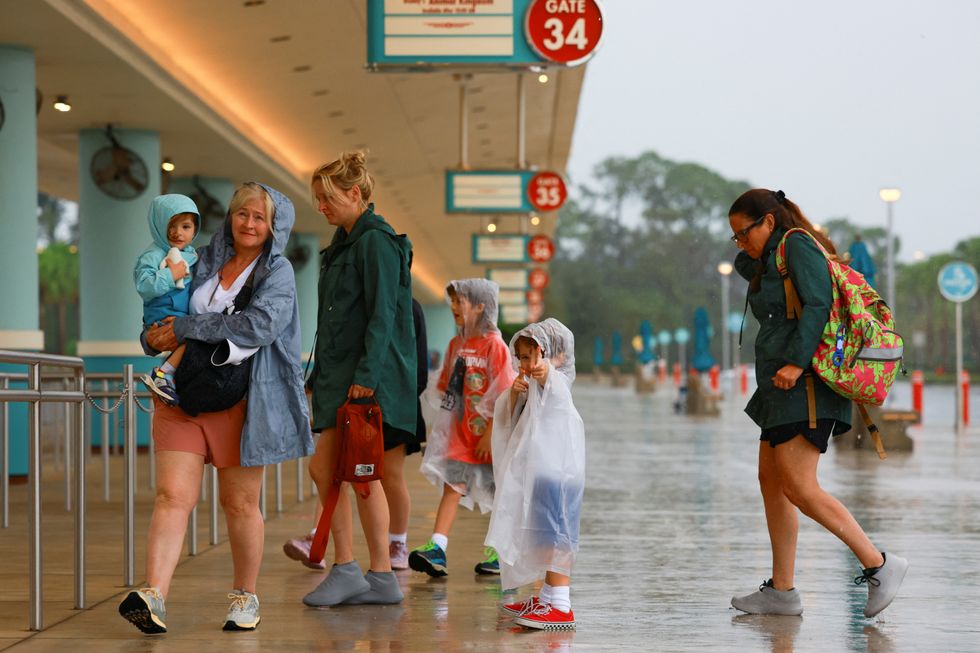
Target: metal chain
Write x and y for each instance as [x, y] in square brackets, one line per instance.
[141, 406]
[105, 411]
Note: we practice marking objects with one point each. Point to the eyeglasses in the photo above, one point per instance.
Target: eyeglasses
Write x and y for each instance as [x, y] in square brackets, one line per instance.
[742, 235]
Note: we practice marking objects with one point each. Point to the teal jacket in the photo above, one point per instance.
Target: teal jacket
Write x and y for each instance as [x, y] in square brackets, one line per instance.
[782, 341]
[161, 296]
[365, 328]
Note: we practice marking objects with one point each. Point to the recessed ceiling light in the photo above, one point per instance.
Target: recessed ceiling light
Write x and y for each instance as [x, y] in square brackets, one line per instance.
[302, 69]
[535, 220]
[543, 78]
[280, 39]
[167, 165]
[61, 104]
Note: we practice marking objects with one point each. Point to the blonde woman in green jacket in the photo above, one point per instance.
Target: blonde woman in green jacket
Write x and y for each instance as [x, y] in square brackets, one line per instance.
[365, 348]
[790, 445]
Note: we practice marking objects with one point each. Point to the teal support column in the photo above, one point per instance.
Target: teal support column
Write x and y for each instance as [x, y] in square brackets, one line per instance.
[112, 233]
[18, 215]
[304, 252]
[202, 189]
[439, 327]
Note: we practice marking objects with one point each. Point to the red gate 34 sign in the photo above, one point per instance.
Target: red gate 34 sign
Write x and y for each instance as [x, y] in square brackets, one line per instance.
[565, 32]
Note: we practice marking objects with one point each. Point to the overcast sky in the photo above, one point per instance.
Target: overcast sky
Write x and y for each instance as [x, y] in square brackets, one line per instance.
[828, 100]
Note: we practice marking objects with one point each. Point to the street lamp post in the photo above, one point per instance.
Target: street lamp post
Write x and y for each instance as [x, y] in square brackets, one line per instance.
[725, 270]
[889, 196]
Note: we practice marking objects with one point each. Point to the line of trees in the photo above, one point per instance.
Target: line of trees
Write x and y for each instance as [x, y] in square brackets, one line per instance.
[642, 241]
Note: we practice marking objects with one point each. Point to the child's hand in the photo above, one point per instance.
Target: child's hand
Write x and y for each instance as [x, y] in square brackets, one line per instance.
[520, 384]
[178, 269]
[540, 372]
[483, 447]
[359, 392]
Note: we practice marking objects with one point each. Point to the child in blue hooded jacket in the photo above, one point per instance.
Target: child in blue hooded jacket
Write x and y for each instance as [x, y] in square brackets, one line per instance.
[162, 274]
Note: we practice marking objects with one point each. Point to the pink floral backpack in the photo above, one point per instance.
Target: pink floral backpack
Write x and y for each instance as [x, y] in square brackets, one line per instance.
[859, 354]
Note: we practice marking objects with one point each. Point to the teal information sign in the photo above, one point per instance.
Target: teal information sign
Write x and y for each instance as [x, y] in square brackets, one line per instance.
[429, 33]
[500, 248]
[488, 191]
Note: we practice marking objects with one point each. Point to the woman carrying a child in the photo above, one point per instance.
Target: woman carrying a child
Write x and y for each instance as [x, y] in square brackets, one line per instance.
[269, 426]
[365, 348]
[795, 410]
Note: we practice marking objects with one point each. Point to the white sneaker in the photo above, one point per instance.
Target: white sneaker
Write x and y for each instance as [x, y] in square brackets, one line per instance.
[883, 583]
[243, 613]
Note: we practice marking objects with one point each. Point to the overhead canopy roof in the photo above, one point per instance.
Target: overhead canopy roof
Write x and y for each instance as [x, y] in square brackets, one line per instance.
[268, 91]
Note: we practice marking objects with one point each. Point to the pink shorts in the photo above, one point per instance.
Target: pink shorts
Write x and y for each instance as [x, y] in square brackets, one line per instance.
[215, 436]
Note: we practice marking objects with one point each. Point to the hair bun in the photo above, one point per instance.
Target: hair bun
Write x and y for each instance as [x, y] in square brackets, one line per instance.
[354, 158]
[780, 196]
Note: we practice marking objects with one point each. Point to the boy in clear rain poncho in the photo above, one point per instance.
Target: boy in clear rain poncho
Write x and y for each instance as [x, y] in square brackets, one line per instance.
[476, 370]
[539, 467]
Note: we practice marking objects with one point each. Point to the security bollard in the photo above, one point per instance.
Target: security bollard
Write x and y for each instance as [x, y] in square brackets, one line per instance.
[713, 375]
[677, 375]
[918, 383]
[662, 371]
[965, 389]
[744, 379]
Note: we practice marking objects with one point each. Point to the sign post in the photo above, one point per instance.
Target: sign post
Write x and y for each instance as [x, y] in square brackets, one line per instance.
[958, 283]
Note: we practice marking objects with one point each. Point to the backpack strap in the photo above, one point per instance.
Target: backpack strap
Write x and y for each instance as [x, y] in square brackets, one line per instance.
[811, 401]
[794, 308]
[873, 430]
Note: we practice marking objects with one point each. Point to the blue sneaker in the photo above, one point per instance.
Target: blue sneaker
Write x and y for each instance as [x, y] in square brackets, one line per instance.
[162, 385]
[430, 559]
[490, 566]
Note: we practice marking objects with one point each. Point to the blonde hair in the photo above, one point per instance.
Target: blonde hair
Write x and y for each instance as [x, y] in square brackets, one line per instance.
[248, 192]
[345, 173]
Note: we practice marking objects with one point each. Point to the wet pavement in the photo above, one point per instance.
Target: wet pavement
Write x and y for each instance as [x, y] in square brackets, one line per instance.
[672, 526]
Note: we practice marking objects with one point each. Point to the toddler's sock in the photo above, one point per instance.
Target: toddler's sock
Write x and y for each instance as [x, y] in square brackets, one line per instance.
[561, 598]
[167, 368]
[441, 540]
[398, 537]
[545, 595]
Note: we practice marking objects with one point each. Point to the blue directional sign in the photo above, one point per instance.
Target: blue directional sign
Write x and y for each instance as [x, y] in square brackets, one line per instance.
[958, 281]
[734, 322]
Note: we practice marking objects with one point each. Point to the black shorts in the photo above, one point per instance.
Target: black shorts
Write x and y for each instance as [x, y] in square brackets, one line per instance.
[818, 437]
[396, 437]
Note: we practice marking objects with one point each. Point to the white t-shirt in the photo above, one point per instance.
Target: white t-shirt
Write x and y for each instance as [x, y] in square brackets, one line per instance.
[211, 297]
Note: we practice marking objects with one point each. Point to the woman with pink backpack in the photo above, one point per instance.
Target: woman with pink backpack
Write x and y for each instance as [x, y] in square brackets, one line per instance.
[796, 411]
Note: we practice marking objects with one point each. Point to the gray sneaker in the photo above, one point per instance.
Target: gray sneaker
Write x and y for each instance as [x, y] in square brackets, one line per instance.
[384, 590]
[144, 609]
[883, 583]
[243, 613]
[768, 600]
[343, 582]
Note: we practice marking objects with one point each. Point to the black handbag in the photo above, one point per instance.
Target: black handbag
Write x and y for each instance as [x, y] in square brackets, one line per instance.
[204, 387]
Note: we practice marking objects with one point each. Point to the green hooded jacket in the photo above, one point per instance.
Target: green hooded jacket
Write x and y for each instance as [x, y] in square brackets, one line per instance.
[782, 341]
[365, 328]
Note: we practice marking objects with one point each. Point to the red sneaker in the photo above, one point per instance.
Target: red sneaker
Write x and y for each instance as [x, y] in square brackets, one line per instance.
[521, 607]
[545, 617]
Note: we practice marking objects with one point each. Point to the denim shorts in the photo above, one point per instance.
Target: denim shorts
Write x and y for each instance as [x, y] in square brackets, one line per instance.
[555, 512]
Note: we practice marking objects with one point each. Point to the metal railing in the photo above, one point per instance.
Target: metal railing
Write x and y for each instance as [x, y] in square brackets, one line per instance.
[34, 395]
[77, 450]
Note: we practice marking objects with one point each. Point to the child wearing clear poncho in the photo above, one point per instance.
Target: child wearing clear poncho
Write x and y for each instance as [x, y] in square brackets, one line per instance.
[476, 370]
[539, 467]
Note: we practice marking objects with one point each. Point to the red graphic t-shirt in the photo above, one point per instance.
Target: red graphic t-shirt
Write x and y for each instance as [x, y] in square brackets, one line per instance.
[486, 372]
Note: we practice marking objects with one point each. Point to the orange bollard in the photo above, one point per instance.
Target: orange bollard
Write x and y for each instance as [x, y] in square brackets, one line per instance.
[662, 371]
[713, 375]
[744, 379]
[965, 389]
[918, 382]
[677, 374]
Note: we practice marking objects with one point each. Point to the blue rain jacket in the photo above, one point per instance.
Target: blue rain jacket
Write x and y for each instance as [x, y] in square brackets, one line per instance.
[277, 421]
[161, 296]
